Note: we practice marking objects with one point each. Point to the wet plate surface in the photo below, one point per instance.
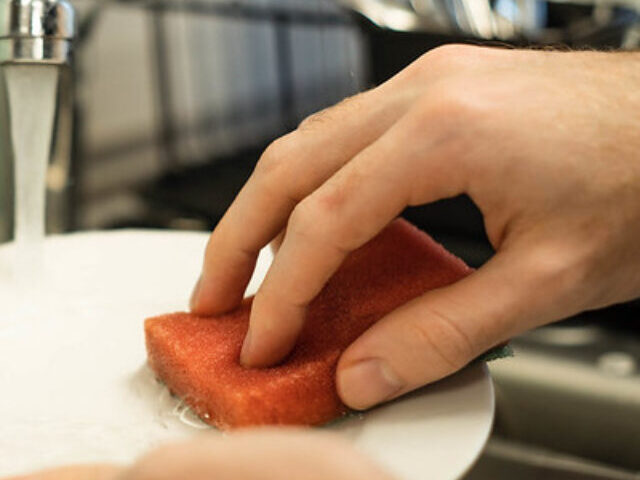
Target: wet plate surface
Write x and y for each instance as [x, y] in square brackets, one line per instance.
[75, 388]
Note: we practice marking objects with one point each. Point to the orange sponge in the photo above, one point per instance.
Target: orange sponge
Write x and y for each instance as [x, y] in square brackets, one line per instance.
[197, 357]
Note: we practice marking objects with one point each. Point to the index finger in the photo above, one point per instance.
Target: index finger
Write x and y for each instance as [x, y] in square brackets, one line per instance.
[346, 212]
[284, 175]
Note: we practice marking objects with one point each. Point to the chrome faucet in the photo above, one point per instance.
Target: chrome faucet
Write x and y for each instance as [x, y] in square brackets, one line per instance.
[37, 32]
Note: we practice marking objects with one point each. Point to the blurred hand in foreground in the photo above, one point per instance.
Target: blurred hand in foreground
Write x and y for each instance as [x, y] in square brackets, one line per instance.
[263, 454]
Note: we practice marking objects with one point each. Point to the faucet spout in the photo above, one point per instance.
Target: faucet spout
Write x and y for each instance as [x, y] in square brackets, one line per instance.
[36, 31]
[36, 118]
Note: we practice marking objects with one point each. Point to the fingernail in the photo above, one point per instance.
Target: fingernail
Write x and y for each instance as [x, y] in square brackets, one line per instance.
[246, 349]
[193, 302]
[368, 383]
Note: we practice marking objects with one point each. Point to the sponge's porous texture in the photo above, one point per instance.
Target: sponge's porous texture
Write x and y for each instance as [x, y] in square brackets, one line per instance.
[198, 357]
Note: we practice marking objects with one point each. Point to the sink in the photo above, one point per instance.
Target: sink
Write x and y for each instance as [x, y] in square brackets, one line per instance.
[508, 459]
[568, 402]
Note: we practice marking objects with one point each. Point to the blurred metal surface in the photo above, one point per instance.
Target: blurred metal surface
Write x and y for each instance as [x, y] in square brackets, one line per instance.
[198, 80]
[508, 20]
[36, 31]
[505, 458]
[575, 388]
[183, 130]
[36, 18]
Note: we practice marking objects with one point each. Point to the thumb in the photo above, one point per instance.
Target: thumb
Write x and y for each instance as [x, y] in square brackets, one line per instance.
[440, 332]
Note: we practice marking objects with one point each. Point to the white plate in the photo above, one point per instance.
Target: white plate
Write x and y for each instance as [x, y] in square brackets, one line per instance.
[74, 386]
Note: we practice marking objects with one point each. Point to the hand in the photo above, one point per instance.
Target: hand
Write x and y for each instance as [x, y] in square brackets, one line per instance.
[78, 472]
[545, 143]
[252, 455]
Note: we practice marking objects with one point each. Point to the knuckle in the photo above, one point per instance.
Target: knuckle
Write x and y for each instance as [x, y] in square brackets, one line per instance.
[327, 213]
[450, 58]
[457, 57]
[276, 156]
[453, 112]
[335, 195]
[316, 119]
[316, 220]
[451, 52]
[304, 220]
[312, 120]
[457, 95]
[460, 101]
